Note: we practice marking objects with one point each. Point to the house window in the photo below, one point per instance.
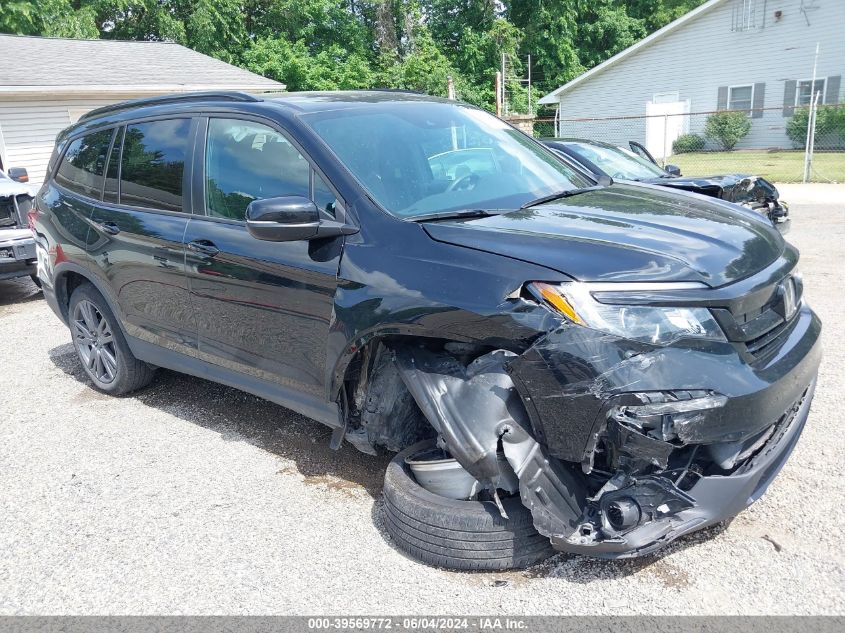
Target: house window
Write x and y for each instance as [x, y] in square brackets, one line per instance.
[740, 97]
[805, 90]
[744, 15]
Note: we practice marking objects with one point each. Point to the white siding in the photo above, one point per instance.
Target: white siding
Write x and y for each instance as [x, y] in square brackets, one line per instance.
[704, 54]
[28, 127]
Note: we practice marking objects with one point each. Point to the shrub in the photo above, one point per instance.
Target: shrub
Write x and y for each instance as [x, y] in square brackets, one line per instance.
[830, 126]
[727, 128]
[688, 143]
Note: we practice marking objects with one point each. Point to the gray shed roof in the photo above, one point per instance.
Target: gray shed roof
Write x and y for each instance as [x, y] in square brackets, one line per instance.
[36, 64]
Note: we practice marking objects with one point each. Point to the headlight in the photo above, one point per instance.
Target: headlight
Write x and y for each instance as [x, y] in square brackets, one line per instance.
[655, 325]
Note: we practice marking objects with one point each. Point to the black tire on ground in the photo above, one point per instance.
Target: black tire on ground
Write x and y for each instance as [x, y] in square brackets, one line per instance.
[35, 280]
[129, 373]
[467, 535]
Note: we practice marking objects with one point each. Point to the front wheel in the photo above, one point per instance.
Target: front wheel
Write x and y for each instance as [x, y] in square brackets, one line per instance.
[100, 345]
[468, 535]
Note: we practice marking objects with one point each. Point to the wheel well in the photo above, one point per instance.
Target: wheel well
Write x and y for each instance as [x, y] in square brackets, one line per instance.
[376, 401]
[66, 283]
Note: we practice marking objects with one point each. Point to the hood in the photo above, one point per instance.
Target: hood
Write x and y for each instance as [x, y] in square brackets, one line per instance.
[733, 187]
[9, 187]
[626, 233]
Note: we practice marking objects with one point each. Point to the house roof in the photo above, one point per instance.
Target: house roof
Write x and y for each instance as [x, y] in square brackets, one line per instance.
[553, 96]
[35, 64]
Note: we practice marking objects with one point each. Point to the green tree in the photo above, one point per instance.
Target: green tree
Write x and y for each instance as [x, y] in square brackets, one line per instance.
[52, 18]
[317, 44]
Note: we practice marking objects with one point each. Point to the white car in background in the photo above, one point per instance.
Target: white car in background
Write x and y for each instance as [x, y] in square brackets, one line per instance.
[17, 246]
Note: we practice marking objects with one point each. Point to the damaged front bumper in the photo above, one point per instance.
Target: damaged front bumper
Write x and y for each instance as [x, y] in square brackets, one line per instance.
[17, 253]
[710, 500]
[620, 448]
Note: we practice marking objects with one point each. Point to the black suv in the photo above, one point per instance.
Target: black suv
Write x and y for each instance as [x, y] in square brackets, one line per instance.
[561, 363]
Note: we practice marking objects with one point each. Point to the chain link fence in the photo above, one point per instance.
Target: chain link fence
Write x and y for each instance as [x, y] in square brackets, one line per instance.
[769, 142]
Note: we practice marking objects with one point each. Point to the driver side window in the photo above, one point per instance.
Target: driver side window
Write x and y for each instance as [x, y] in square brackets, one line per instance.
[246, 161]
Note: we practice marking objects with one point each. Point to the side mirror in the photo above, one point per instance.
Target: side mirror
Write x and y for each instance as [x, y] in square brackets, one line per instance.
[18, 173]
[284, 219]
[672, 170]
[290, 219]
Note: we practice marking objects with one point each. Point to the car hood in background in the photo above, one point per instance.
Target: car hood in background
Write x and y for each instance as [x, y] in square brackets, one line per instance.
[737, 188]
[626, 233]
[9, 187]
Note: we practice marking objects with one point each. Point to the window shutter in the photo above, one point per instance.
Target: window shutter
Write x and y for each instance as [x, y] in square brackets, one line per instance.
[832, 93]
[789, 87]
[759, 101]
[722, 98]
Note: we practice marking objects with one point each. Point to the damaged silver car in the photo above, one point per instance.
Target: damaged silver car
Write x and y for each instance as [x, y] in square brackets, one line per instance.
[561, 363]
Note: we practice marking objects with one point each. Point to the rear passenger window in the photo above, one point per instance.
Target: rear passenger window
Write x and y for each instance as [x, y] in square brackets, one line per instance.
[153, 164]
[82, 167]
[247, 161]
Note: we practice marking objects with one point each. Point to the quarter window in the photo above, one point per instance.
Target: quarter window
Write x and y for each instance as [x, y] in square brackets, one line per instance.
[247, 161]
[153, 164]
[110, 190]
[82, 167]
[323, 196]
[740, 97]
[807, 89]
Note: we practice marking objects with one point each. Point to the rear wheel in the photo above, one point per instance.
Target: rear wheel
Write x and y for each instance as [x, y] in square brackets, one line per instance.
[455, 534]
[100, 345]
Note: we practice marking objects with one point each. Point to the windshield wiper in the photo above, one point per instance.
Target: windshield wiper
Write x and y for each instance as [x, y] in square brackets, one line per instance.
[451, 215]
[603, 181]
[559, 195]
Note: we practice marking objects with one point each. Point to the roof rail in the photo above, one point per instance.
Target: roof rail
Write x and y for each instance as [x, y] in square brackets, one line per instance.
[400, 90]
[222, 95]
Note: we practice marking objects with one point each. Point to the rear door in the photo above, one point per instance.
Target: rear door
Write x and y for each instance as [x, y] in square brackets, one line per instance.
[138, 230]
[264, 308]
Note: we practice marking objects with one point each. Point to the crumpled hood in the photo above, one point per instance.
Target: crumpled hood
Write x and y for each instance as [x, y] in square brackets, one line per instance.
[626, 233]
[733, 187]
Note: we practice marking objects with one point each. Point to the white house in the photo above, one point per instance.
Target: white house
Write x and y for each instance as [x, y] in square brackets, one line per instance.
[48, 83]
[751, 55]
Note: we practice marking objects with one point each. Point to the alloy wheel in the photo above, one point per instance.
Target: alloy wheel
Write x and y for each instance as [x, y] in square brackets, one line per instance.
[94, 342]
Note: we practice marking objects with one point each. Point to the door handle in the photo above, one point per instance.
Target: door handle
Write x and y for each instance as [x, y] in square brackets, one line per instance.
[204, 247]
[109, 227]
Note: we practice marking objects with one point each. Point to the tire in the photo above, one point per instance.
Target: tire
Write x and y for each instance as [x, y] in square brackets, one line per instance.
[465, 535]
[96, 332]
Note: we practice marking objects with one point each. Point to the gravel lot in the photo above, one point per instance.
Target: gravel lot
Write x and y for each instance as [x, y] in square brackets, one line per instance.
[192, 498]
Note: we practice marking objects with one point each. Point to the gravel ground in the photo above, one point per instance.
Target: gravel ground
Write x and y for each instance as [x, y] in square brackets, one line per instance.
[192, 498]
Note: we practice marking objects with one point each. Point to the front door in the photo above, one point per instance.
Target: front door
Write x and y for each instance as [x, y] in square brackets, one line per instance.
[263, 308]
[138, 229]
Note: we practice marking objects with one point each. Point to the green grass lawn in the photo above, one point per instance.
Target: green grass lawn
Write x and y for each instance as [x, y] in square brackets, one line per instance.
[779, 166]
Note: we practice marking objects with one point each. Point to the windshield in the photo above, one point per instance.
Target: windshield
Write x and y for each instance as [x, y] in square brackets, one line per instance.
[617, 162]
[420, 158]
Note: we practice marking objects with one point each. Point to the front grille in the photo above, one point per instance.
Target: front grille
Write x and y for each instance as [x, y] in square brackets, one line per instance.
[762, 346]
[761, 330]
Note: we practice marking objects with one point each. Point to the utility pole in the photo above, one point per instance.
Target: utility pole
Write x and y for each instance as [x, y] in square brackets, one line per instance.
[498, 94]
[530, 108]
[811, 121]
[504, 88]
[450, 88]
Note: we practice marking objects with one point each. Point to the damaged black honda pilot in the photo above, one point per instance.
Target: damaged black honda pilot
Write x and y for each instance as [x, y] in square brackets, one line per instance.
[562, 364]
